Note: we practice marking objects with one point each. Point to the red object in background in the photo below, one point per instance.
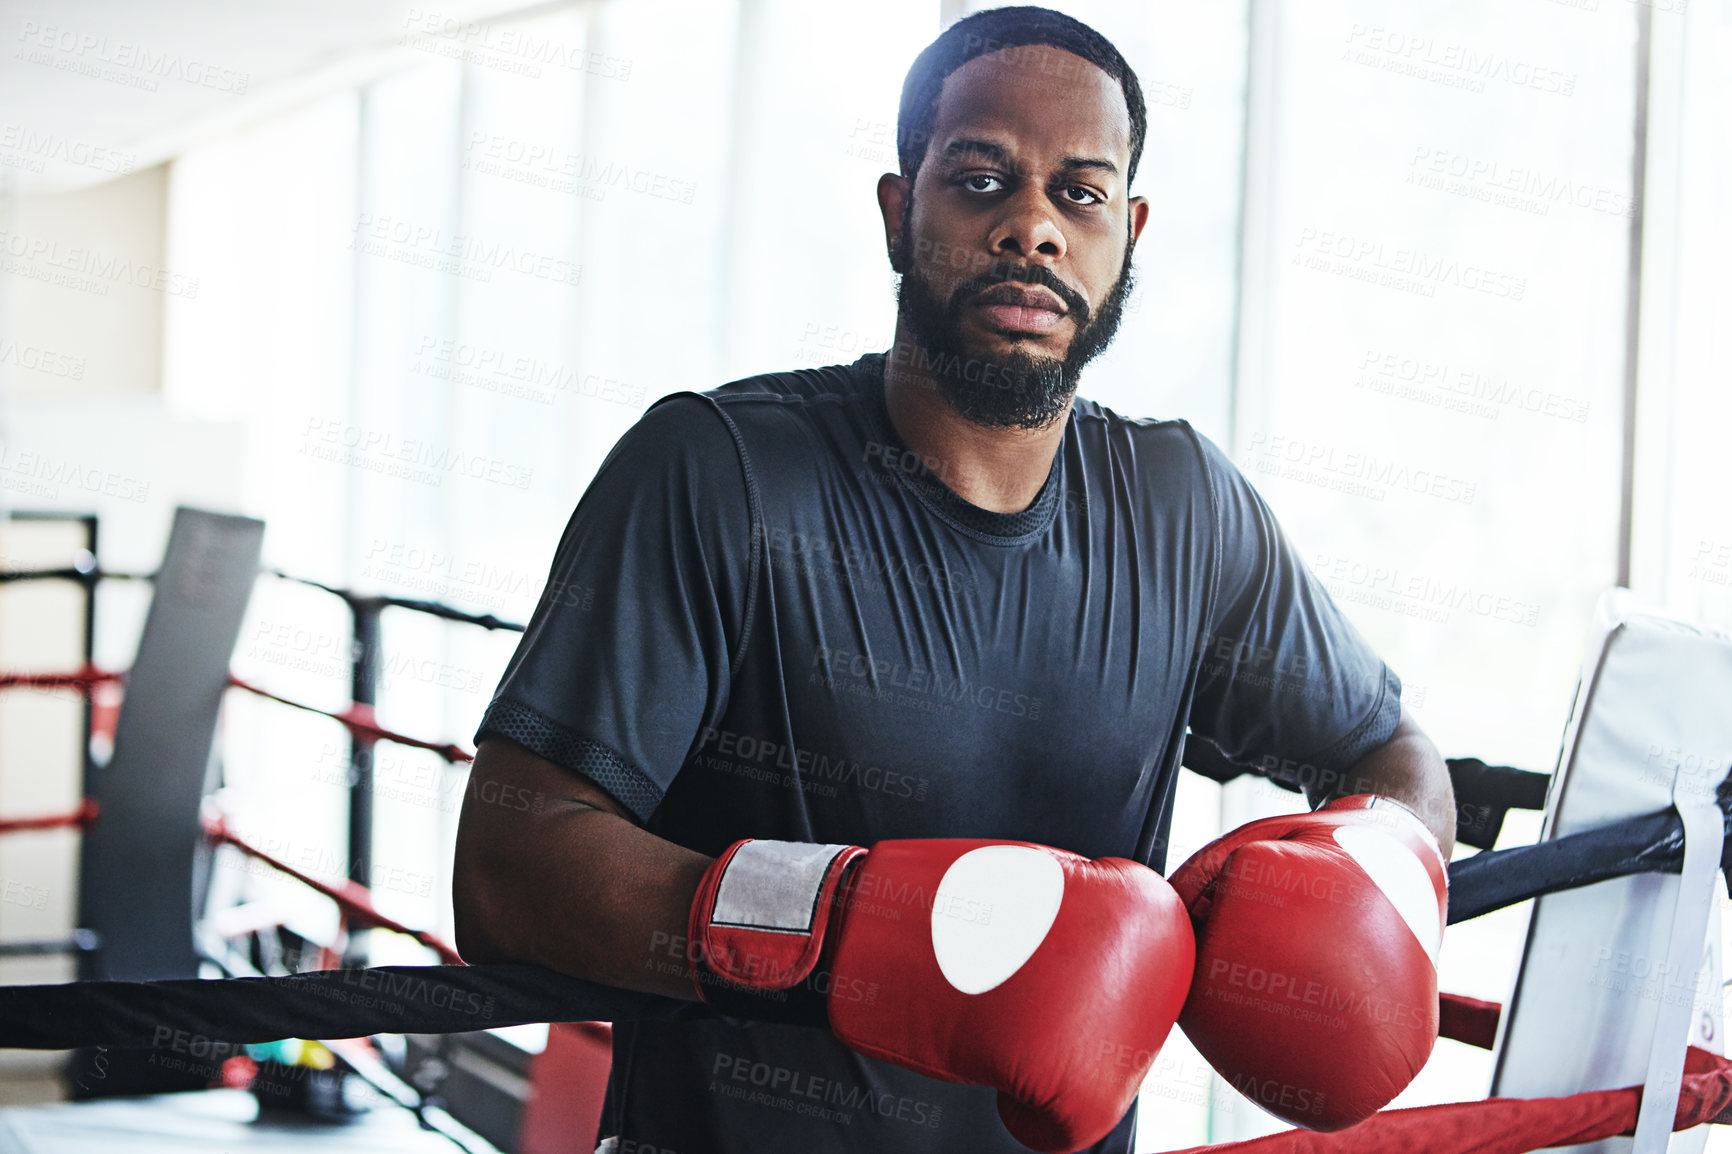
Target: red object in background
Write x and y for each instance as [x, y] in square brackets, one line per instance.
[1507, 1125]
[105, 703]
[238, 1073]
[567, 1082]
[1468, 1020]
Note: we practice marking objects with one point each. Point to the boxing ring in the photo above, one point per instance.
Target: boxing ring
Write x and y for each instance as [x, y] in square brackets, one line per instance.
[1613, 1027]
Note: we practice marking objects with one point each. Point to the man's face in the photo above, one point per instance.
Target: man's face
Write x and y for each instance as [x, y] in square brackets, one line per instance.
[1015, 242]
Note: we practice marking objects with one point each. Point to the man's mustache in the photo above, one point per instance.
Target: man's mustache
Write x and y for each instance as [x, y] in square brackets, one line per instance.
[1029, 274]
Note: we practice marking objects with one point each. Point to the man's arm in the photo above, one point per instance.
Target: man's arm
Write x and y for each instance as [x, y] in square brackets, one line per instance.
[1409, 769]
[551, 869]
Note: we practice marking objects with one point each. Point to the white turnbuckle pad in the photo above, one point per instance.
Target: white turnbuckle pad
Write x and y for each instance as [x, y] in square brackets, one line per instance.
[992, 911]
[1612, 978]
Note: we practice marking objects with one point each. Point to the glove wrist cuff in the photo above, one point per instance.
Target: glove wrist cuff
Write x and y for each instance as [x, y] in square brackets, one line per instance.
[1399, 814]
[1418, 825]
[762, 909]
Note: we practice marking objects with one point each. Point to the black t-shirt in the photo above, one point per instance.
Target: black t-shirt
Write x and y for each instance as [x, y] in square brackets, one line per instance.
[767, 618]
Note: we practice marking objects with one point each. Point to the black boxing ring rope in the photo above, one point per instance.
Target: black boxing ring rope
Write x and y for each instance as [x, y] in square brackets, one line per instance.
[417, 999]
[366, 611]
[360, 1001]
[443, 999]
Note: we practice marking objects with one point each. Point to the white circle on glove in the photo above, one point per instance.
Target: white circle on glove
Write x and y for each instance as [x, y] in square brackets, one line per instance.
[1398, 872]
[991, 912]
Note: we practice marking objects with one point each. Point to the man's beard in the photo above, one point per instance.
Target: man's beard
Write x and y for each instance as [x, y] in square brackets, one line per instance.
[1011, 389]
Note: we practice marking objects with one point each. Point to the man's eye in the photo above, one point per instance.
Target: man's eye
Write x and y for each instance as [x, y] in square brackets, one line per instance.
[972, 182]
[1093, 198]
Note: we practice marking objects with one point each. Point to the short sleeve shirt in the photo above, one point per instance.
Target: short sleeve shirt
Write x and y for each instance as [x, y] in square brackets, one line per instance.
[768, 618]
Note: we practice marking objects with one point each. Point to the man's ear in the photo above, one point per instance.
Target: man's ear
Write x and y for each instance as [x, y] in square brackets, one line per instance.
[1139, 216]
[893, 199]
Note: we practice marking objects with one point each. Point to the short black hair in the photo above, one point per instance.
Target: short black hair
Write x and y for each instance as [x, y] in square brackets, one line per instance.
[992, 31]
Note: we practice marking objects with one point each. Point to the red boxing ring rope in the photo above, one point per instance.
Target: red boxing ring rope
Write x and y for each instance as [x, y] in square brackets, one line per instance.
[77, 819]
[82, 679]
[1507, 1125]
[354, 899]
[359, 720]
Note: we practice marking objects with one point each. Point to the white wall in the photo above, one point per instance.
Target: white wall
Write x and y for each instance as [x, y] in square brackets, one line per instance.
[82, 430]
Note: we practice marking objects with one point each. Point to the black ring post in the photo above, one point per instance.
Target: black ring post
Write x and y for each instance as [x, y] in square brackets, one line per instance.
[363, 690]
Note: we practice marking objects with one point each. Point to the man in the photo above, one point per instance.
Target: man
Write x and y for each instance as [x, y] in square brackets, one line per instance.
[931, 594]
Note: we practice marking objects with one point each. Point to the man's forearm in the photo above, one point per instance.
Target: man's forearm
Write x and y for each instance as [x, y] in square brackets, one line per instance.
[551, 871]
[1408, 768]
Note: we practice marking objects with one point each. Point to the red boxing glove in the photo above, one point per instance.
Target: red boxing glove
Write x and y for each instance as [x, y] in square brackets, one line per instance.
[1317, 939]
[1050, 977]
